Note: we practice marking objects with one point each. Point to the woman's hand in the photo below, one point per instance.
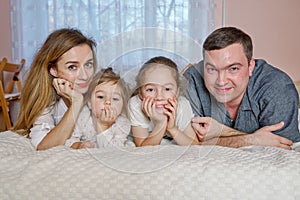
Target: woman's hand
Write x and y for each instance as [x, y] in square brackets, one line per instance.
[65, 89]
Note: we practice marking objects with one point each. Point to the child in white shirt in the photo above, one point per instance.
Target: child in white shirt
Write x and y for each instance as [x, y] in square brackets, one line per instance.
[158, 110]
[107, 99]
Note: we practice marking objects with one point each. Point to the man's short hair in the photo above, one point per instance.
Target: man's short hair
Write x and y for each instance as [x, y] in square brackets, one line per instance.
[226, 36]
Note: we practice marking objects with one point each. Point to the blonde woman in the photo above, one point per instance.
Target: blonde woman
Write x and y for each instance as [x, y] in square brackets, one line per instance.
[53, 94]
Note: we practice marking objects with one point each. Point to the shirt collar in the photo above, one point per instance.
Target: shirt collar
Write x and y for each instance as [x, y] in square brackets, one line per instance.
[245, 105]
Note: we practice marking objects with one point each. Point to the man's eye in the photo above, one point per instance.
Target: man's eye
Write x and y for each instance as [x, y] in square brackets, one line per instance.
[168, 89]
[116, 99]
[100, 97]
[234, 69]
[210, 70]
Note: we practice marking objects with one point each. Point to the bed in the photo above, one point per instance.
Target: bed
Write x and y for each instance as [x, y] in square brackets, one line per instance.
[153, 172]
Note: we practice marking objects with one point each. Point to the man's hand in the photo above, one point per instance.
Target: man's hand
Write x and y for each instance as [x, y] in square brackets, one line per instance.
[265, 137]
[206, 128]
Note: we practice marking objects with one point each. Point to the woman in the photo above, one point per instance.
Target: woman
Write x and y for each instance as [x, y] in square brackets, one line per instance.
[53, 93]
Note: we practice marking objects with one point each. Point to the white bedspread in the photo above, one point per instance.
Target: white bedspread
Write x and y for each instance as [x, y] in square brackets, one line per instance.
[154, 172]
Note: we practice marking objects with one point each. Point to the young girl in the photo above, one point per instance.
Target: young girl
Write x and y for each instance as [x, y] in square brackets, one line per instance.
[158, 110]
[107, 98]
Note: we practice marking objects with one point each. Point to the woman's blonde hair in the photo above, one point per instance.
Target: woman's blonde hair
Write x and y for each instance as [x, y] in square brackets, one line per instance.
[38, 92]
[105, 76]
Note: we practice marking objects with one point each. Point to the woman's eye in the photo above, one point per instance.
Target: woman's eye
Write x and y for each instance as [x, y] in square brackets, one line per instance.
[116, 99]
[168, 89]
[89, 64]
[149, 90]
[72, 67]
[100, 97]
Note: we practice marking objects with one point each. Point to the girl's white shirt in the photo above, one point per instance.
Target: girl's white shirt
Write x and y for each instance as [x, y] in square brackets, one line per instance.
[184, 114]
[116, 135]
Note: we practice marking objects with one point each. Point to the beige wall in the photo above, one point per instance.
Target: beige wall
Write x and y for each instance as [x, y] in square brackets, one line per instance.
[272, 24]
[274, 28]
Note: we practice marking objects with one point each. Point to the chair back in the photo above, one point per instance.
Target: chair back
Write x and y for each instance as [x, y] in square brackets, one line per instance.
[14, 68]
[6, 94]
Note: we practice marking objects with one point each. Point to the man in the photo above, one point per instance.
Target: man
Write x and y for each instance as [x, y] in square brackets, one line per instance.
[244, 94]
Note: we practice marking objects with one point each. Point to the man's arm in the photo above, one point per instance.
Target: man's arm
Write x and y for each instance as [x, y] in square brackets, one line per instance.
[218, 134]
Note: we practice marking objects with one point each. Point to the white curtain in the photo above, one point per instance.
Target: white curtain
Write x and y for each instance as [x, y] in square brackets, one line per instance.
[127, 32]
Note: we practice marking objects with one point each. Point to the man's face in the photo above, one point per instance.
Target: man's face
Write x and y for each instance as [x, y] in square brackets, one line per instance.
[227, 73]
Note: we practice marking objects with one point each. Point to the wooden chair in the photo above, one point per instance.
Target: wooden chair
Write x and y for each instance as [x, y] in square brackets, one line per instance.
[7, 95]
[186, 68]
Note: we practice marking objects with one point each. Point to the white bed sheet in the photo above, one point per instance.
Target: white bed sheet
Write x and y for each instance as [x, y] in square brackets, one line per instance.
[154, 172]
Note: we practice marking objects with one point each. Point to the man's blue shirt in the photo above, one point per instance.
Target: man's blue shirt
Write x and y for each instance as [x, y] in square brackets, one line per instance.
[270, 97]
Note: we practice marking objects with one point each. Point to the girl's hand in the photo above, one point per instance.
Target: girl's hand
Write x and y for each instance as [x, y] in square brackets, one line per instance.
[170, 112]
[64, 89]
[87, 144]
[149, 109]
[108, 115]
[84, 144]
[106, 118]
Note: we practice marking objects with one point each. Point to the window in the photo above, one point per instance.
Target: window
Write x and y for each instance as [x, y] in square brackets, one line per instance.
[127, 32]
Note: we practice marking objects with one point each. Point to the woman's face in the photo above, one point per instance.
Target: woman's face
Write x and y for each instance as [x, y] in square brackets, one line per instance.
[77, 67]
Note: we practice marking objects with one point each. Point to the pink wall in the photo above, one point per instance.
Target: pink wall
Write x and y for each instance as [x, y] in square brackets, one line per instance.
[5, 39]
[274, 28]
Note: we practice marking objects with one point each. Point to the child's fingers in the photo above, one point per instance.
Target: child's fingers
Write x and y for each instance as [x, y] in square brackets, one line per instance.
[173, 102]
[109, 113]
[170, 108]
[87, 145]
[152, 104]
[170, 118]
[103, 115]
[149, 106]
[145, 106]
[112, 113]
